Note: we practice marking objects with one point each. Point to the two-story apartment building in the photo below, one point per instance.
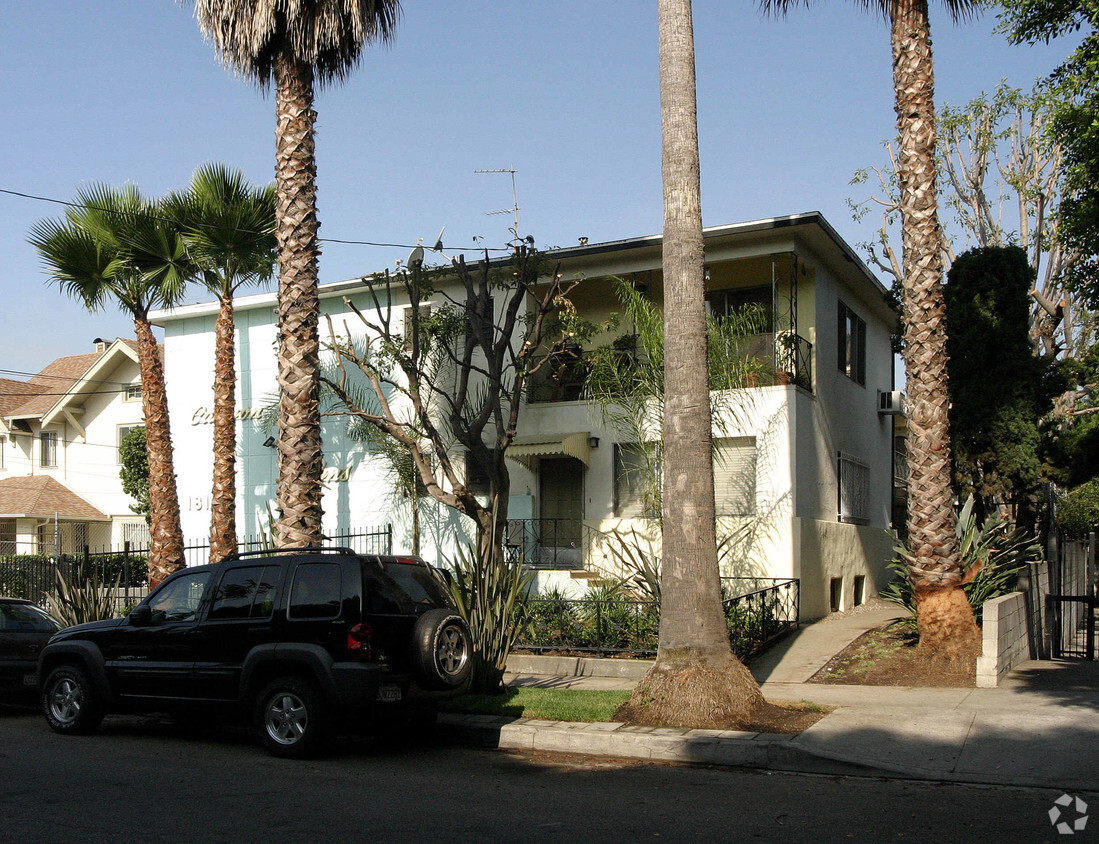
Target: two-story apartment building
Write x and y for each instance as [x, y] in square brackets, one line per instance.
[804, 459]
[59, 467]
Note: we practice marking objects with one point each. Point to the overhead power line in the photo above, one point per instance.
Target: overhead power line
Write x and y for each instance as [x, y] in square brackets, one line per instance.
[70, 204]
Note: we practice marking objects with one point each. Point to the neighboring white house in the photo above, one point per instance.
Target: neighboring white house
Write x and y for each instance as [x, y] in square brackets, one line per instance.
[805, 468]
[59, 469]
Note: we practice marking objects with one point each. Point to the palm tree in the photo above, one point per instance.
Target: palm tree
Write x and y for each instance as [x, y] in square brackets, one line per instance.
[696, 680]
[229, 229]
[296, 45]
[114, 245]
[946, 622]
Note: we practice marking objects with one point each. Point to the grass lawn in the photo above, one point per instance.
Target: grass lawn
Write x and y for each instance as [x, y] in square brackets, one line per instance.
[550, 704]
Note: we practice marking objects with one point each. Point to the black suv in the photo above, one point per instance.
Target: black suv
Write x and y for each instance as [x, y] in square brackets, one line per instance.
[304, 640]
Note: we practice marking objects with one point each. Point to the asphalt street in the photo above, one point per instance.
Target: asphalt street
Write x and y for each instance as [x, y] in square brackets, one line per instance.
[147, 779]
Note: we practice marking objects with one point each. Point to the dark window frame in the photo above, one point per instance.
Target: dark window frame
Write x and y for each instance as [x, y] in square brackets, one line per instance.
[851, 344]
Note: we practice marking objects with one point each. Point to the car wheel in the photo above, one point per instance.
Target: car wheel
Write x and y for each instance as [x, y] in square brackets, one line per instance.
[290, 718]
[70, 702]
[444, 649]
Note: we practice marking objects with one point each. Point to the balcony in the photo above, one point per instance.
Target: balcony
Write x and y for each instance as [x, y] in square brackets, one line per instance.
[768, 359]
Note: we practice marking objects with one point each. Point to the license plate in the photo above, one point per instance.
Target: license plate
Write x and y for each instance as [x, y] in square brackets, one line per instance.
[389, 694]
[30, 679]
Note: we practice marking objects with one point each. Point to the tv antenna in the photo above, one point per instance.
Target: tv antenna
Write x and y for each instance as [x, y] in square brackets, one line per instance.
[514, 210]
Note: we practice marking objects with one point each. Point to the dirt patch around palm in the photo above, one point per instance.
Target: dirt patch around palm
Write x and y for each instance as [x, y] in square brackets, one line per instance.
[888, 656]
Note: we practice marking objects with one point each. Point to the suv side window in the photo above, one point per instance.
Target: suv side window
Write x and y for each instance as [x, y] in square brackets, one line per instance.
[316, 591]
[245, 593]
[179, 600]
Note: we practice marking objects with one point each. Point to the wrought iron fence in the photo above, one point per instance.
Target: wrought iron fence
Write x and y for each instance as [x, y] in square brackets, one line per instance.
[34, 576]
[1073, 601]
[618, 626]
[546, 543]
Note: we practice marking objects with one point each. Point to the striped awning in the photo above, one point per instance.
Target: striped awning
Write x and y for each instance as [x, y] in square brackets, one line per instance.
[525, 449]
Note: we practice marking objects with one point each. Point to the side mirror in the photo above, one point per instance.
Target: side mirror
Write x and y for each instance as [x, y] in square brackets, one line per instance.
[141, 616]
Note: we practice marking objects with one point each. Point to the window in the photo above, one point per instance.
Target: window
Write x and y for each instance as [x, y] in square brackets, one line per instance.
[132, 392]
[854, 490]
[48, 450]
[476, 477]
[636, 480]
[18, 618]
[316, 592]
[7, 536]
[3, 443]
[179, 600]
[123, 430]
[851, 342]
[723, 303]
[136, 535]
[245, 593]
[735, 476]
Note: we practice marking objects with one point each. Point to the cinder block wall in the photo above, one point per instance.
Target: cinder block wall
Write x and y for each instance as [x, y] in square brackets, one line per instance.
[1006, 642]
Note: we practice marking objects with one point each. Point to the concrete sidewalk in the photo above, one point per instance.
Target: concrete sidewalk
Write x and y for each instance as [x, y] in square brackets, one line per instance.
[1039, 728]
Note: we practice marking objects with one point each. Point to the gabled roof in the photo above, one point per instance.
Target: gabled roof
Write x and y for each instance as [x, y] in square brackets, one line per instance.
[93, 381]
[61, 383]
[42, 496]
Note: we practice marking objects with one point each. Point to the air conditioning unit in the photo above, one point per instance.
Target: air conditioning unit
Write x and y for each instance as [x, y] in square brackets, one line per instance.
[890, 402]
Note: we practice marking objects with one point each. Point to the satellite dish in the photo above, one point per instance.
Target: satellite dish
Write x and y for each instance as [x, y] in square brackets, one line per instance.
[416, 258]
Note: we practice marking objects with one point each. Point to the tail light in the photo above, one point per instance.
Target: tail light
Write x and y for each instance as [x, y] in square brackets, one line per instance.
[360, 641]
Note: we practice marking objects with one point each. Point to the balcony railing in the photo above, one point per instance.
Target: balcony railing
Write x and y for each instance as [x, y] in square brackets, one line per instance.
[782, 358]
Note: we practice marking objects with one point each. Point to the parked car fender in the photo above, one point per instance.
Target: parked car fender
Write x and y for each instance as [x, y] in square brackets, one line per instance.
[267, 661]
[86, 654]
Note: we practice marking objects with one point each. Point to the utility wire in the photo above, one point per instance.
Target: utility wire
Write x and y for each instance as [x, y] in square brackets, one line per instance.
[161, 219]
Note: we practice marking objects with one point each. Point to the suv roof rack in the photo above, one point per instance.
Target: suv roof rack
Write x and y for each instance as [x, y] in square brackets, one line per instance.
[312, 549]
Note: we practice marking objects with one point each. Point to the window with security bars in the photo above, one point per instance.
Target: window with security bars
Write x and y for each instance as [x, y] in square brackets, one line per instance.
[854, 490]
[73, 538]
[136, 534]
[7, 536]
[735, 476]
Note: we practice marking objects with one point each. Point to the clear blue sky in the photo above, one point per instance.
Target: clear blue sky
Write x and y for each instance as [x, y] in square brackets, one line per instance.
[564, 91]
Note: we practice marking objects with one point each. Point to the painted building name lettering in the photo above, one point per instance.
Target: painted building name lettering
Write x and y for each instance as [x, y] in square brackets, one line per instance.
[205, 416]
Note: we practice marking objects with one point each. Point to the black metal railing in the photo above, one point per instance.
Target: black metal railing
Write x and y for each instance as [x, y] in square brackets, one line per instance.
[618, 626]
[546, 543]
[1074, 599]
[34, 576]
[777, 358]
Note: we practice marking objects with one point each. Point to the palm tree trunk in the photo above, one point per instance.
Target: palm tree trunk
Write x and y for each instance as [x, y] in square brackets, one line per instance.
[945, 617]
[696, 680]
[166, 549]
[223, 507]
[300, 455]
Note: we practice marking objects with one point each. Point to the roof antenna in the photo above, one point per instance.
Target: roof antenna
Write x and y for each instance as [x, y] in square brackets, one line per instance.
[514, 210]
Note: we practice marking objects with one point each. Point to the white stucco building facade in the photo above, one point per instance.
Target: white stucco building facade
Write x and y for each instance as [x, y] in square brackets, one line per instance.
[60, 489]
[805, 465]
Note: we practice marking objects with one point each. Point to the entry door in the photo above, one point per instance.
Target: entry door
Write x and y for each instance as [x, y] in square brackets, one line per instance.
[561, 499]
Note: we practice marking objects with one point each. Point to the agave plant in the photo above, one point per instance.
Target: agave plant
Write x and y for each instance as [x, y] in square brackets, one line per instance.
[488, 596]
[83, 595]
[992, 556]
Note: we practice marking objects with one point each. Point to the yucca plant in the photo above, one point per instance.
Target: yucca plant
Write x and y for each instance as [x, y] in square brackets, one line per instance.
[992, 557]
[488, 595]
[83, 595]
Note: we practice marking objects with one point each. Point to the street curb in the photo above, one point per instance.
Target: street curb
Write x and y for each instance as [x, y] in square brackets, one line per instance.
[577, 666]
[729, 748]
[726, 748]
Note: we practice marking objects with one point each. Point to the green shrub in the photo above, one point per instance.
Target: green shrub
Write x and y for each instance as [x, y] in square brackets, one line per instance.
[1078, 511]
[1001, 553]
